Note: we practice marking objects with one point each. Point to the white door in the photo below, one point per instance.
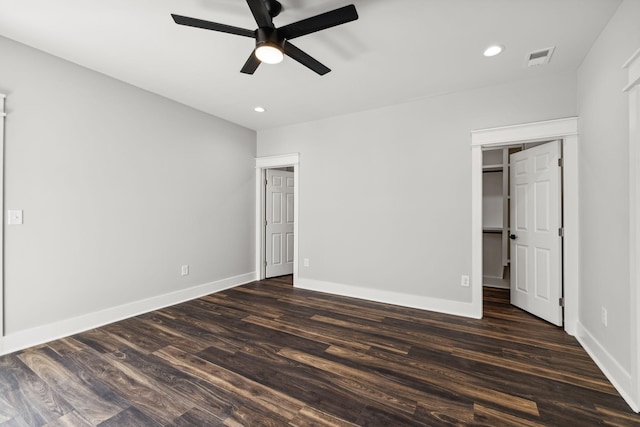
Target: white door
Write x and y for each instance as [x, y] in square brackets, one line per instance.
[279, 223]
[535, 217]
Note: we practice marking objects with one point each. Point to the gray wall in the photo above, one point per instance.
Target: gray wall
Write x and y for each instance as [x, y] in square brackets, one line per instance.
[385, 195]
[119, 188]
[604, 183]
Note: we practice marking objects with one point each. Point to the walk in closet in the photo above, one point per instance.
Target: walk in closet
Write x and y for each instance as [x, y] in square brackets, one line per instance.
[495, 216]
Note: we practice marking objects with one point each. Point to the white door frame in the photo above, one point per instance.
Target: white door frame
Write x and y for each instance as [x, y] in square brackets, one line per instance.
[632, 65]
[567, 131]
[2, 116]
[262, 164]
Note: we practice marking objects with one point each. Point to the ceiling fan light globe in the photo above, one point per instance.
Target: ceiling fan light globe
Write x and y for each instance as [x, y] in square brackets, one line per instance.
[269, 54]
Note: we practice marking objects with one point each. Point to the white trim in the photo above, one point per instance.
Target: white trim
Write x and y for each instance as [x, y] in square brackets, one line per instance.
[527, 132]
[262, 164]
[456, 308]
[632, 84]
[2, 118]
[277, 161]
[619, 377]
[41, 334]
[476, 230]
[571, 243]
[633, 71]
[260, 219]
[633, 57]
[633, 90]
[567, 130]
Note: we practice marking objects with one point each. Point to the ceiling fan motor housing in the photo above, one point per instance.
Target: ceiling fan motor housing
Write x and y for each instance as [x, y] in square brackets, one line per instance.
[269, 37]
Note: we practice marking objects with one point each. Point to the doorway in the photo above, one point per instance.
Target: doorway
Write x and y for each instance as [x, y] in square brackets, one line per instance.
[522, 225]
[279, 222]
[287, 162]
[562, 129]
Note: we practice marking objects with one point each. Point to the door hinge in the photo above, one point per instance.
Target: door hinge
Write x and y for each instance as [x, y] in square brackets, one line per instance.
[265, 263]
[560, 162]
[561, 231]
[561, 302]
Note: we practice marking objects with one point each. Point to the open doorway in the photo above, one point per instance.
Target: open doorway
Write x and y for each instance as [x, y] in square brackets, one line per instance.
[277, 240]
[522, 225]
[279, 222]
[484, 139]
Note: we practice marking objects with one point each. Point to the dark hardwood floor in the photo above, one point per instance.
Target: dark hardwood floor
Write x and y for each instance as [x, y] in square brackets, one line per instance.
[268, 354]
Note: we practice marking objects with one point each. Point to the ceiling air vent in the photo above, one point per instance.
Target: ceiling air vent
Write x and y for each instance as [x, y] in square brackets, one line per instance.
[540, 57]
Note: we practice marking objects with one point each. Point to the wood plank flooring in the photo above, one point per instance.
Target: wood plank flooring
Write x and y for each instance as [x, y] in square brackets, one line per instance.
[266, 354]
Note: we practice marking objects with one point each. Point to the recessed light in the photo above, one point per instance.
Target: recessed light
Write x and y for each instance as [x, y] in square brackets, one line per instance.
[259, 110]
[493, 50]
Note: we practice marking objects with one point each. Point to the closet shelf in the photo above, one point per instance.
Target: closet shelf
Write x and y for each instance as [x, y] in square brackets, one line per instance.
[492, 168]
[492, 229]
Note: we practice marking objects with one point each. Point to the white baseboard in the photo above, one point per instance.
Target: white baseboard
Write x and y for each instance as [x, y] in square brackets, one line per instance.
[64, 328]
[458, 308]
[619, 377]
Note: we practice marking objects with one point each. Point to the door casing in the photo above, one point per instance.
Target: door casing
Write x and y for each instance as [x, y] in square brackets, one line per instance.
[2, 117]
[567, 130]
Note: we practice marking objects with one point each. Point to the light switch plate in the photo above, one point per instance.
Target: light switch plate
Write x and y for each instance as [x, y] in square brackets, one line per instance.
[14, 217]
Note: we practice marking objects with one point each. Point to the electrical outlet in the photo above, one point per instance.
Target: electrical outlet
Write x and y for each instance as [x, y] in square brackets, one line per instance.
[464, 281]
[185, 270]
[14, 217]
[603, 316]
[306, 262]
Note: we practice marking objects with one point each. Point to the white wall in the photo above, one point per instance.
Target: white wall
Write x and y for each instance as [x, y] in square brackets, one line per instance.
[385, 195]
[604, 191]
[119, 188]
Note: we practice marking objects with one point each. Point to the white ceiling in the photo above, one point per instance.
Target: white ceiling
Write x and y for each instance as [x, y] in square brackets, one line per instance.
[397, 51]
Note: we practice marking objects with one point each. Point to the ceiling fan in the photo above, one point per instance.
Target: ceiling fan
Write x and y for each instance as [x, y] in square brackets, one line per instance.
[273, 43]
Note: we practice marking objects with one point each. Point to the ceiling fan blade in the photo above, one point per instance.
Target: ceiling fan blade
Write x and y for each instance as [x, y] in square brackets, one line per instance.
[251, 65]
[319, 22]
[260, 13]
[305, 59]
[207, 25]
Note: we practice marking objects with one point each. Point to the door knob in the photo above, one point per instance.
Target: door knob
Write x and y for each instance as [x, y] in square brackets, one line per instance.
[513, 236]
